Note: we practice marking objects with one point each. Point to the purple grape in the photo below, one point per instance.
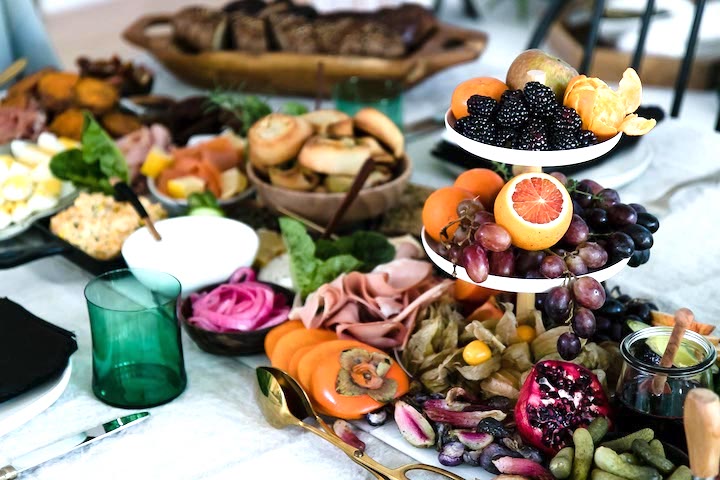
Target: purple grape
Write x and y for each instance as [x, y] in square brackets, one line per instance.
[526, 261]
[584, 199]
[454, 254]
[577, 232]
[460, 235]
[616, 331]
[592, 254]
[534, 274]
[641, 236]
[602, 323]
[597, 218]
[639, 257]
[483, 217]
[560, 176]
[621, 215]
[502, 263]
[594, 187]
[606, 198]
[588, 293]
[552, 266]
[568, 346]
[557, 303]
[493, 237]
[476, 263]
[648, 221]
[575, 264]
[638, 208]
[469, 207]
[583, 323]
[577, 209]
[540, 301]
[620, 245]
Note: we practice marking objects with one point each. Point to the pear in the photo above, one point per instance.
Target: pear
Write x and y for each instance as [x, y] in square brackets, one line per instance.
[536, 65]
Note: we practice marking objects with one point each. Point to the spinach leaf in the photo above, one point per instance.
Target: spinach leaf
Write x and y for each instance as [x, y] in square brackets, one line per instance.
[294, 108]
[370, 248]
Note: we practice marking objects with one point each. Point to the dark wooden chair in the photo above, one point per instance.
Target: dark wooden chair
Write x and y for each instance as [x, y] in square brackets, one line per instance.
[553, 13]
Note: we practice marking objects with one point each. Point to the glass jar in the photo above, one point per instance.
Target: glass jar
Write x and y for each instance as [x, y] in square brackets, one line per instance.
[649, 395]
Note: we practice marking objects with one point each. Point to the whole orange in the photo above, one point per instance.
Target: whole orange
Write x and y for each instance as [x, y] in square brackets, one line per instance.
[487, 86]
[483, 183]
[471, 293]
[441, 208]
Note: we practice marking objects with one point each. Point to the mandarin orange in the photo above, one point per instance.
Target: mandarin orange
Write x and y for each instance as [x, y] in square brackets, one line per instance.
[441, 208]
[486, 86]
[484, 183]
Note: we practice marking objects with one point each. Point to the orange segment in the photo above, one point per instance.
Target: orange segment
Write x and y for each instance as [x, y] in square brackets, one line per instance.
[535, 208]
[630, 90]
[634, 125]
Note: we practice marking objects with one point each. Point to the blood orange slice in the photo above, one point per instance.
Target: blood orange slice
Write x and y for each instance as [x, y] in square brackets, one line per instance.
[535, 209]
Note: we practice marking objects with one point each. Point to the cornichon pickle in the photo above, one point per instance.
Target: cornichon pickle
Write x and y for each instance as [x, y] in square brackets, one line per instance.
[644, 452]
[598, 474]
[598, 428]
[657, 447]
[630, 458]
[584, 449]
[681, 473]
[624, 444]
[561, 464]
[608, 460]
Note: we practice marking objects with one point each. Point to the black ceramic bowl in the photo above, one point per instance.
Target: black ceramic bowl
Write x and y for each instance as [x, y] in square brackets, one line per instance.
[228, 344]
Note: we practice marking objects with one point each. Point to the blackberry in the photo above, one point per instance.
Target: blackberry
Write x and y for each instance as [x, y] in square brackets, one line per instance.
[505, 137]
[480, 129]
[481, 106]
[540, 99]
[533, 137]
[512, 111]
[566, 119]
[466, 125]
[586, 138]
[563, 141]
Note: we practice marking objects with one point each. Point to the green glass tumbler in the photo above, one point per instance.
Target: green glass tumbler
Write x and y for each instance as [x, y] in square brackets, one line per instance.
[355, 93]
[136, 346]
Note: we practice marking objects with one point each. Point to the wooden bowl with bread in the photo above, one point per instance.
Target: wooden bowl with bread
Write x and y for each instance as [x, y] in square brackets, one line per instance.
[307, 163]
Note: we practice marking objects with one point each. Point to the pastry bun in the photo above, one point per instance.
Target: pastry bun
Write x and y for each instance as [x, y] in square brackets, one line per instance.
[333, 157]
[379, 125]
[321, 120]
[276, 138]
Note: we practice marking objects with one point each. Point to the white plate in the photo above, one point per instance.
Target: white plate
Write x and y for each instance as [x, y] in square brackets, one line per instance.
[509, 284]
[555, 158]
[67, 197]
[17, 411]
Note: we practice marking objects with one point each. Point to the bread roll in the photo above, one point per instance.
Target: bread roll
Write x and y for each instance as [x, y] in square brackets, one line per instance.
[343, 128]
[276, 138]
[321, 120]
[379, 125]
[333, 157]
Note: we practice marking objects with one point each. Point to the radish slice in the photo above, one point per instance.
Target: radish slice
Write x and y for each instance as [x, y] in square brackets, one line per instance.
[241, 305]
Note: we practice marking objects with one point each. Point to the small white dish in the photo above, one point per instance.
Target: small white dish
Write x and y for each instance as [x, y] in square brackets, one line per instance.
[552, 158]
[197, 250]
[510, 284]
[177, 206]
[21, 409]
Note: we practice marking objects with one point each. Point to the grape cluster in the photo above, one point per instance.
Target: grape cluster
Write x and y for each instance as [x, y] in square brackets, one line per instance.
[576, 302]
[528, 119]
[477, 243]
[604, 230]
[613, 317]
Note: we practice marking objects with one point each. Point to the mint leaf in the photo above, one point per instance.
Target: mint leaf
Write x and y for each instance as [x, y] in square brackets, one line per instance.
[370, 248]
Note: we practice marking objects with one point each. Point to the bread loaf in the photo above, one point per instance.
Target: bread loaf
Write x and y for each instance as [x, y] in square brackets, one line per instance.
[200, 28]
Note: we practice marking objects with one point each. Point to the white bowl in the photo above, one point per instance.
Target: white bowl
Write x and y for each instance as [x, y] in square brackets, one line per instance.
[197, 250]
[511, 284]
[530, 158]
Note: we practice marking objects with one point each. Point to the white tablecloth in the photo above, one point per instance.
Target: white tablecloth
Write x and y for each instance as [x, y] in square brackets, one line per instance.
[215, 431]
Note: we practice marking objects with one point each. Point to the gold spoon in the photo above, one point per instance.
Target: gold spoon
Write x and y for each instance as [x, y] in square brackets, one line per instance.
[13, 70]
[284, 403]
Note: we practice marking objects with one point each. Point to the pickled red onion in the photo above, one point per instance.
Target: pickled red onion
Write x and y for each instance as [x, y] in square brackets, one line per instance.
[241, 305]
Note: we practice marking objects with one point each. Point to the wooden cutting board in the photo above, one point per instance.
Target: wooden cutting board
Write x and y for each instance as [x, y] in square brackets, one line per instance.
[293, 73]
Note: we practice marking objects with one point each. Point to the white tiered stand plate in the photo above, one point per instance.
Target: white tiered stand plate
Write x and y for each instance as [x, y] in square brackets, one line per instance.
[510, 284]
[555, 158]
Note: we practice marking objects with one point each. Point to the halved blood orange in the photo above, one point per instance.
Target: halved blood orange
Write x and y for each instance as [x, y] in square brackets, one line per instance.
[535, 208]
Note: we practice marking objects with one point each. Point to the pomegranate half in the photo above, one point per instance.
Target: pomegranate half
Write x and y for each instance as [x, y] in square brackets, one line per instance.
[556, 398]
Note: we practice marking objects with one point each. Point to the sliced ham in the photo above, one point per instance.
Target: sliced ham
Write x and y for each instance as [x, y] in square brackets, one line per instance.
[378, 308]
[16, 123]
[136, 145]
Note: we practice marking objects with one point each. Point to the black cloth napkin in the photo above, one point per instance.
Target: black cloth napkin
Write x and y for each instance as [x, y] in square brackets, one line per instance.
[450, 152]
[32, 351]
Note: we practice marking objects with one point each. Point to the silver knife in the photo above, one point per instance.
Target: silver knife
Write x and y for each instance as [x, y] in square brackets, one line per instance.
[68, 444]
